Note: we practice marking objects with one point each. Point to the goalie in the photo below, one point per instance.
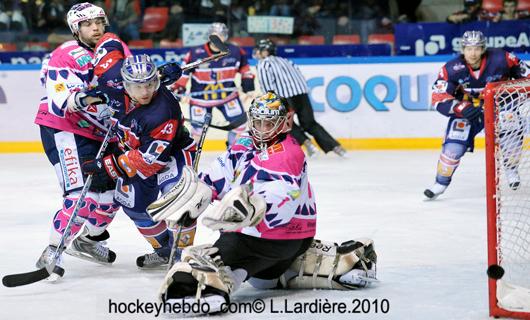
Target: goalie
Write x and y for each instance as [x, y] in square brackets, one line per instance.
[267, 211]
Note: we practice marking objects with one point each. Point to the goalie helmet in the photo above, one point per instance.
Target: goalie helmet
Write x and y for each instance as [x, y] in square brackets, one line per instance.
[219, 29]
[268, 117]
[140, 77]
[473, 39]
[84, 11]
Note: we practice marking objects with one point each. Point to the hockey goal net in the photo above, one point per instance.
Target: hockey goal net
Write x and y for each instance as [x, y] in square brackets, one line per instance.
[507, 115]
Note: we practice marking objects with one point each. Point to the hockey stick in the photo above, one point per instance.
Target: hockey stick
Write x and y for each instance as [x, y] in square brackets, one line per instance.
[176, 239]
[223, 51]
[199, 93]
[242, 119]
[21, 279]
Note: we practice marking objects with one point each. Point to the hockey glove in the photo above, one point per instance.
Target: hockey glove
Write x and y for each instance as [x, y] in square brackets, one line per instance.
[107, 164]
[239, 208]
[114, 168]
[465, 109]
[169, 73]
[83, 99]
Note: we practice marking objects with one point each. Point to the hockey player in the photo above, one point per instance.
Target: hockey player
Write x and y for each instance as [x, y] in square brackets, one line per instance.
[72, 126]
[266, 199]
[216, 80]
[154, 146]
[457, 94]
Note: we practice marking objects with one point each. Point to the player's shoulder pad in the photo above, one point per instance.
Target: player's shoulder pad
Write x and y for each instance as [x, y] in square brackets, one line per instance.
[455, 66]
[71, 54]
[243, 143]
[286, 156]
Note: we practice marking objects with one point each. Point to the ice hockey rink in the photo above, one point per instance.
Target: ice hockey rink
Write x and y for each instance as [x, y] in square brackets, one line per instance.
[432, 255]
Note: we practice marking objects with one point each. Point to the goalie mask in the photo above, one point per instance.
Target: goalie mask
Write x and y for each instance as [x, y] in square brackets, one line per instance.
[82, 12]
[268, 118]
[140, 78]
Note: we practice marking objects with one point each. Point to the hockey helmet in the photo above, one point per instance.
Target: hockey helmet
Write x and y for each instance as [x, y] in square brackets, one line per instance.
[139, 75]
[473, 39]
[219, 29]
[268, 117]
[268, 45]
[82, 12]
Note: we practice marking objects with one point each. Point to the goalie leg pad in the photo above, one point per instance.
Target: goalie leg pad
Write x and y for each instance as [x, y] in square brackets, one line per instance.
[184, 202]
[200, 277]
[326, 265]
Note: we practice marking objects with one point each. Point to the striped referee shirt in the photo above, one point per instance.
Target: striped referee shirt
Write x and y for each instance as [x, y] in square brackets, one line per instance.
[282, 76]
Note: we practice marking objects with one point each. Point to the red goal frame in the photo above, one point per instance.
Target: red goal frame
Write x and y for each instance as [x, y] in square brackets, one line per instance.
[490, 114]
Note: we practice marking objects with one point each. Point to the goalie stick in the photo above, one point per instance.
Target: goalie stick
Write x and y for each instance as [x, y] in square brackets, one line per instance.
[176, 239]
[21, 279]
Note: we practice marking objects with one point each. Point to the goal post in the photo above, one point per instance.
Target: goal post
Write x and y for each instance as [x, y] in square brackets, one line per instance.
[506, 122]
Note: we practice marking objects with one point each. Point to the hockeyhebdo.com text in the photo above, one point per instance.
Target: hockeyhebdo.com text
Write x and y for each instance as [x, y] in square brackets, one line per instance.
[256, 306]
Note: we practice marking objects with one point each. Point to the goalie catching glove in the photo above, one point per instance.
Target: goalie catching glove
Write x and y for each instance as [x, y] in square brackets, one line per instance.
[239, 208]
[184, 202]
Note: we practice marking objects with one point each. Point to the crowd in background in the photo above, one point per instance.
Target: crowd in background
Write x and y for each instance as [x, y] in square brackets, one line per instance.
[38, 20]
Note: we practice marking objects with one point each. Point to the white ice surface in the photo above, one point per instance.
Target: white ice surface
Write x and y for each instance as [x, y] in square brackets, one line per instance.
[432, 255]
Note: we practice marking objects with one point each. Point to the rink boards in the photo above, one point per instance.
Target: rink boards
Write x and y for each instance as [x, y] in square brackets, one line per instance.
[367, 103]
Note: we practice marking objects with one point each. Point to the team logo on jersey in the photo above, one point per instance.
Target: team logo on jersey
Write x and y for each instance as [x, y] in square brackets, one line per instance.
[77, 53]
[244, 141]
[154, 151]
[277, 148]
[458, 67]
[99, 54]
[459, 130]
[59, 87]
[124, 194]
[440, 86]
[83, 61]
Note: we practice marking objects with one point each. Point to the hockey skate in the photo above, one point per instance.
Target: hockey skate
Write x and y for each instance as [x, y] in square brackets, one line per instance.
[92, 249]
[310, 148]
[513, 178]
[434, 191]
[339, 150]
[152, 261]
[46, 258]
[358, 278]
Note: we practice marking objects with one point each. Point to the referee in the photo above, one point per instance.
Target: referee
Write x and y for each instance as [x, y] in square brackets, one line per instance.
[283, 77]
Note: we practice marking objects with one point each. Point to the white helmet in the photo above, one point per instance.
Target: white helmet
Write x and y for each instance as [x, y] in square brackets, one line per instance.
[218, 28]
[82, 12]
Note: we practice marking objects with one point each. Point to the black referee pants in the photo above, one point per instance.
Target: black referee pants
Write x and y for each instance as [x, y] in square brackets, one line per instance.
[302, 106]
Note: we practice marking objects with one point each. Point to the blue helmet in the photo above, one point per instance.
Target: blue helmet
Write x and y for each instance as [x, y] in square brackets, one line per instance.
[139, 70]
[473, 39]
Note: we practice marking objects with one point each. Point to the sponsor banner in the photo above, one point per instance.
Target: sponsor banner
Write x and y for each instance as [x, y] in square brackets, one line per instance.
[434, 38]
[384, 102]
[194, 34]
[270, 24]
[177, 54]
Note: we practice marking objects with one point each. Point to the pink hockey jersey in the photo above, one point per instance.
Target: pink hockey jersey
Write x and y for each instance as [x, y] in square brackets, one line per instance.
[279, 175]
[68, 70]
